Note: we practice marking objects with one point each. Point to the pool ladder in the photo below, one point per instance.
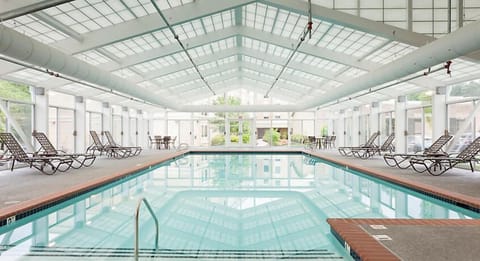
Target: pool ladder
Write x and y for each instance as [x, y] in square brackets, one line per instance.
[137, 214]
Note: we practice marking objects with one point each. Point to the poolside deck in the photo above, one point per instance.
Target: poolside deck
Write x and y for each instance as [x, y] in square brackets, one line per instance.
[411, 239]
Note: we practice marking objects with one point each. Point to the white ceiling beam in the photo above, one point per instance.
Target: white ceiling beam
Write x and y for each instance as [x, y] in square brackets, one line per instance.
[147, 24]
[15, 8]
[58, 25]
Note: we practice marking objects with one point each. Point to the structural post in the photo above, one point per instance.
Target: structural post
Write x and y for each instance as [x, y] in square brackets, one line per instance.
[227, 132]
[40, 99]
[459, 13]
[375, 118]
[80, 124]
[41, 109]
[125, 126]
[142, 138]
[341, 128]
[439, 112]
[400, 124]
[356, 132]
[107, 117]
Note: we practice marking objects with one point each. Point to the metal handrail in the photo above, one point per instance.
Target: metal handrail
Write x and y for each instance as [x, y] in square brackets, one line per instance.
[137, 214]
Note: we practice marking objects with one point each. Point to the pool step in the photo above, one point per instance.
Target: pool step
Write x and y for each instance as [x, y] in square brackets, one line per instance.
[204, 254]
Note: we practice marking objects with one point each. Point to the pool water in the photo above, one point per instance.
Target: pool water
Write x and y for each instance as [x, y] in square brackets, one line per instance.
[218, 206]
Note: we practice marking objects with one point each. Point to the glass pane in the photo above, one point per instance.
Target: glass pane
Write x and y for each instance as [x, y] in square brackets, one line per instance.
[201, 137]
[457, 116]
[3, 122]
[415, 130]
[52, 126]
[235, 132]
[348, 132]
[65, 137]
[117, 128]
[133, 132]
[264, 133]
[22, 114]
[428, 127]
[94, 122]
[184, 133]
[364, 128]
[14, 91]
[296, 133]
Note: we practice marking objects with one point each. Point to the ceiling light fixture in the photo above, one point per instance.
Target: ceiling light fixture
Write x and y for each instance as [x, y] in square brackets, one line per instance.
[175, 35]
[307, 30]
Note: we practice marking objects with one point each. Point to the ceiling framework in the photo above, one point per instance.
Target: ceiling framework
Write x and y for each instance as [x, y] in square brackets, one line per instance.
[237, 44]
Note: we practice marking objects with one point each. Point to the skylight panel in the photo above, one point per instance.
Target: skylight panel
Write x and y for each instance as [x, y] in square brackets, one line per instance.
[390, 52]
[92, 57]
[125, 73]
[280, 22]
[32, 27]
[30, 75]
[352, 73]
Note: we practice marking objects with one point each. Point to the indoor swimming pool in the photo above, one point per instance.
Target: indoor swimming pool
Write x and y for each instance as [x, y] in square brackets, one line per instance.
[218, 206]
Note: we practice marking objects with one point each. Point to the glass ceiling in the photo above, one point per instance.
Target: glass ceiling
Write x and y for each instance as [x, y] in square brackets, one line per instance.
[245, 46]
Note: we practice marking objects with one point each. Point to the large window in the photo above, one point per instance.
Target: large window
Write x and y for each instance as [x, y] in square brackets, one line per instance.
[457, 120]
[93, 123]
[16, 99]
[61, 128]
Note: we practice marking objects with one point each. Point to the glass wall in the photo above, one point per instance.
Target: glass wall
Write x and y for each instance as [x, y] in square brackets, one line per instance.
[93, 122]
[133, 131]
[457, 118]
[348, 132]
[364, 128]
[22, 113]
[117, 128]
[61, 128]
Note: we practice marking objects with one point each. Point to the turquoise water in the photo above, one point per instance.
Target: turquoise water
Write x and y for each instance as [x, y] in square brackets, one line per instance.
[249, 204]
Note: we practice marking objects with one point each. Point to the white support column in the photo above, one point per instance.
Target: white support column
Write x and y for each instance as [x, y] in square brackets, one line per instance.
[460, 13]
[253, 132]
[107, 117]
[227, 132]
[375, 118]
[409, 15]
[125, 126]
[80, 124]
[356, 132]
[142, 130]
[40, 99]
[341, 129]
[439, 112]
[400, 124]
[41, 109]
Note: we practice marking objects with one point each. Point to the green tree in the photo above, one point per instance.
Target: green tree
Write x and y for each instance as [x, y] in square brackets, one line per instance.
[272, 137]
[16, 92]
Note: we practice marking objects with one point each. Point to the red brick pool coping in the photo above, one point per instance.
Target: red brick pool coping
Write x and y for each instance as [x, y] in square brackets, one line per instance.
[365, 247]
[466, 200]
[36, 203]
